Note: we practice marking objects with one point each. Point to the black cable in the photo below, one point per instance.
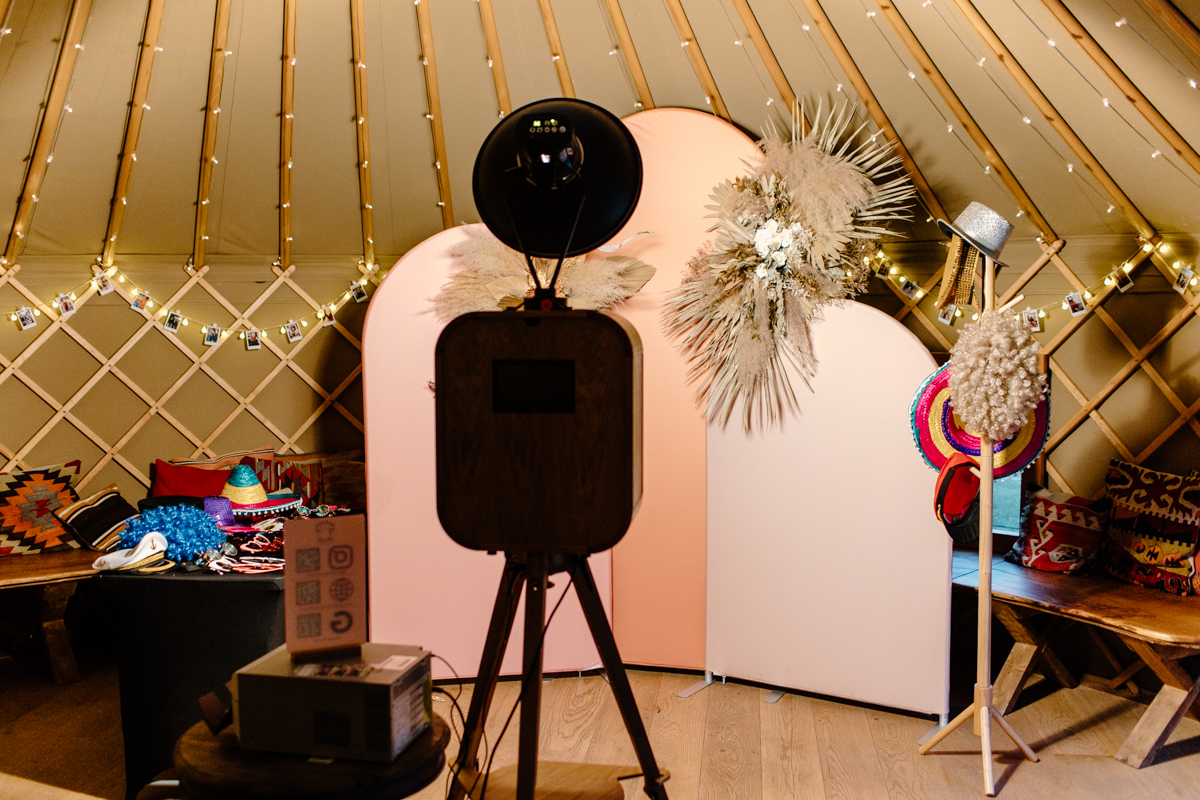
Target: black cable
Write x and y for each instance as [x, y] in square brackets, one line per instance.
[453, 774]
[524, 685]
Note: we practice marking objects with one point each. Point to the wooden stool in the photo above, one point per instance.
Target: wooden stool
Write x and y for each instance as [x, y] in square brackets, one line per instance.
[211, 767]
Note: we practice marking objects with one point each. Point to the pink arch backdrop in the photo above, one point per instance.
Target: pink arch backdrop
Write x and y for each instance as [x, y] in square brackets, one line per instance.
[424, 588]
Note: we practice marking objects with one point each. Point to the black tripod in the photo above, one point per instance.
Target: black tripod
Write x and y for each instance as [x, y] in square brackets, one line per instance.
[534, 570]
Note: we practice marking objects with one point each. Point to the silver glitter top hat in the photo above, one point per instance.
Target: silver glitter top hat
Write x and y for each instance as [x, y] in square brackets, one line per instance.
[982, 228]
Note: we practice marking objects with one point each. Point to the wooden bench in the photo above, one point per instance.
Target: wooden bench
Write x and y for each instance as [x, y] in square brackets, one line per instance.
[55, 576]
[1037, 606]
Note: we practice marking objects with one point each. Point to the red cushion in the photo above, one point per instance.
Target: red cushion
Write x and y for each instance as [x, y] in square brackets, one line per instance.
[173, 479]
[1061, 533]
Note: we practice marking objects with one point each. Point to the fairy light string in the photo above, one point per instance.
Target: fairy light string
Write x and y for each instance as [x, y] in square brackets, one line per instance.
[356, 292]
[886, 269]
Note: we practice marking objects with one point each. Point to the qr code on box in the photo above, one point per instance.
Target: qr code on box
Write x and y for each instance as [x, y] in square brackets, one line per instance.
[308, 559]
[308, 593]
[308, 625]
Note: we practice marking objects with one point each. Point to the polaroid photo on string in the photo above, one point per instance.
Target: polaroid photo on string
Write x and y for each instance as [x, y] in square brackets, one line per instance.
[292, 329]
[1031, 319]
[359, 291]
[212, 335]
[140, 301]
[327, 318]
[910, 288]
[1075, 304]
[883, 270]
[173, 321]
[104, 284]
[1181, 282]
[25, 318]
[1122, 279]
[66, 306]
[253, 341]
[946, 317]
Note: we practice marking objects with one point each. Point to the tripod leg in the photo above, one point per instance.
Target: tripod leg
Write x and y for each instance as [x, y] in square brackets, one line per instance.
[593, 610]
[531, 684]
[503, 614]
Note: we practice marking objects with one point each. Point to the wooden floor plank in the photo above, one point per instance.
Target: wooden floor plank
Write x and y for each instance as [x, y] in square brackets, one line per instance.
[610, 743]
[731, 765]
[907, 774]
[788, 746]
[676, 733]
[849, 763]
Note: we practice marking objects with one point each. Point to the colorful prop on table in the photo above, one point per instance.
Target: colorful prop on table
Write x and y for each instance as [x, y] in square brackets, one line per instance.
[994, 378]
[250, 500]
[149, 549]
[977, 230]
[28, 500]
[188, 530]
[956, 498]
[489, 275]
[1153, 528]
[1059, 532]
[795, 235]
[939, 433]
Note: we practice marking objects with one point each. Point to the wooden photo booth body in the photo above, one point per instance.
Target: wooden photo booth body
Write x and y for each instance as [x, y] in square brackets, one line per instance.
[809, 559]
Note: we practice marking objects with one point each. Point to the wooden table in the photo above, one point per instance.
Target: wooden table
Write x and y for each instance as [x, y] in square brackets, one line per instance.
[1035, 607]
[54, 575]
[212, 767]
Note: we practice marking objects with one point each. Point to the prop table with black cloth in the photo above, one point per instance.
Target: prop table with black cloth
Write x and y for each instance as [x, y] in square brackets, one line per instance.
[181, 636]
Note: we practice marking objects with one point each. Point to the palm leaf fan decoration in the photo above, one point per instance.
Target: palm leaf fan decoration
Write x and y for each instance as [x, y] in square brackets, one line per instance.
[488, 275]
[793, 236]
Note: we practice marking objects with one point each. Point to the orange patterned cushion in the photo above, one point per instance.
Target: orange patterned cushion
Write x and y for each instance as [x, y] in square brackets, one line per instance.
[28, 500]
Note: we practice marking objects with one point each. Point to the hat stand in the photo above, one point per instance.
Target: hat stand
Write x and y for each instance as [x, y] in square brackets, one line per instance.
[982, 709]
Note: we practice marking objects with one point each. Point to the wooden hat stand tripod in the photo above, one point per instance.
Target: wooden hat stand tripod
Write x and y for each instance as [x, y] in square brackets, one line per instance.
[982, 709]
[588, 781]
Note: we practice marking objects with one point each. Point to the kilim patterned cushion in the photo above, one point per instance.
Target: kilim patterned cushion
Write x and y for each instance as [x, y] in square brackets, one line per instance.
[28, 500]
[1060, 533]
[1153, 528]
[97, 521]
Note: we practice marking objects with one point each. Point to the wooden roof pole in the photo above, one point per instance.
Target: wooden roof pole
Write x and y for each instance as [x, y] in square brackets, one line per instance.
[133, 128]
[556, 49]
[1183, 27]
[212, 108]
[625, 41]
[965, 119]
[358, 38]
[425, 25]
[765, 52]
[1089, 161]
[495, 61]
[287, 113]
[873, 108]
[688, 42]
[1122, 82]
[55, 102]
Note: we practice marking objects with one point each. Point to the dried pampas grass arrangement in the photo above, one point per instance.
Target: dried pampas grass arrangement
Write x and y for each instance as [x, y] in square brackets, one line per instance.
[489, 276]
[792, 237]
[994, 380]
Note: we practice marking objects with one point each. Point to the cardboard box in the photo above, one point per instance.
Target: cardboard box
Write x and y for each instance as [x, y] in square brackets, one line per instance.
[367, 708]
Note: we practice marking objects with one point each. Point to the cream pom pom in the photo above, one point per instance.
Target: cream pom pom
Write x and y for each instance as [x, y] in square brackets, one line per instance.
[994, 378]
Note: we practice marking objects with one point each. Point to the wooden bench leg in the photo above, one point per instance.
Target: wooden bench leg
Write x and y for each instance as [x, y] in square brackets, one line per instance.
[1176, 698]
[1031, 647]
[52, 602]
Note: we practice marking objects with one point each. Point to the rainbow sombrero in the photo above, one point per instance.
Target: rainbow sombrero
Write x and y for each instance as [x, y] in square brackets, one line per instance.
[939, 434]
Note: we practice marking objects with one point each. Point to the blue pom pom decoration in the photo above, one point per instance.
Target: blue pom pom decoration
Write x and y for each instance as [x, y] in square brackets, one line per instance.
[189, 531]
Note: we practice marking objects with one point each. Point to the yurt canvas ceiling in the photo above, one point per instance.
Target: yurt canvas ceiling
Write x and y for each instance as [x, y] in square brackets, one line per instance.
[324, 133]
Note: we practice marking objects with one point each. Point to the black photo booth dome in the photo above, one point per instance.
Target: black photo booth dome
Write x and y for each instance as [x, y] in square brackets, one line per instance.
[549, 190]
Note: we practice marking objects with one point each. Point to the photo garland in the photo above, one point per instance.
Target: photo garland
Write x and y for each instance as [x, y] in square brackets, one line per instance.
[793, 236]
